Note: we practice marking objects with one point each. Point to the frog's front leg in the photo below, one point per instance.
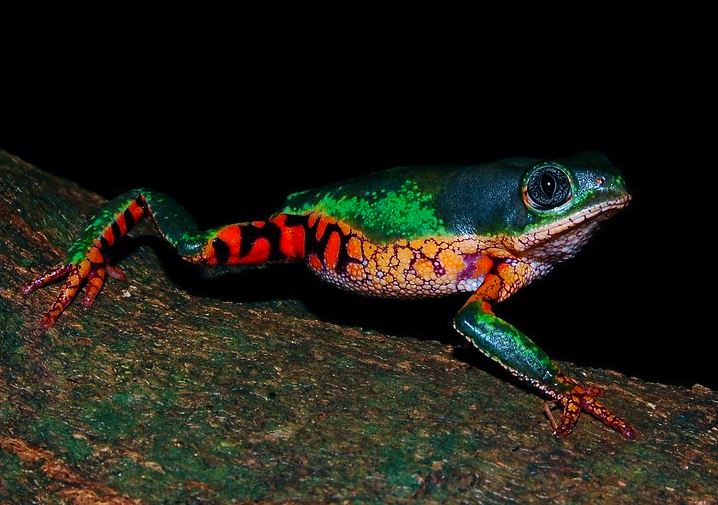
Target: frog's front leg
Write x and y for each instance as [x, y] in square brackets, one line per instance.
[525, 360]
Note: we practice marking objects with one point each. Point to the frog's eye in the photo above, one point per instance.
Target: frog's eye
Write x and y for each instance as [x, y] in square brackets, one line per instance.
[548, 187]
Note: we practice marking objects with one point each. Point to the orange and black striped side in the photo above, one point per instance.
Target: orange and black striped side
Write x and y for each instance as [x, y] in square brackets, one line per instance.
[324, 243]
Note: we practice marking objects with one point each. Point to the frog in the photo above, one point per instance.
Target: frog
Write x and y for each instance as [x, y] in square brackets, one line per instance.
[485, 230]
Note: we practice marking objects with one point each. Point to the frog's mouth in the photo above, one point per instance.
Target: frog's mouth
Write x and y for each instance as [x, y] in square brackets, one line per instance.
[563, 238]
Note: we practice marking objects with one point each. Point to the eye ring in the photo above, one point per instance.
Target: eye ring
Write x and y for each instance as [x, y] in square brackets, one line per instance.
[548, 187]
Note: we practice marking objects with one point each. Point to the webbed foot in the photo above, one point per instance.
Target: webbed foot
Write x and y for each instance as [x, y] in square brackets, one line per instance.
[92, 272]
[577, 399]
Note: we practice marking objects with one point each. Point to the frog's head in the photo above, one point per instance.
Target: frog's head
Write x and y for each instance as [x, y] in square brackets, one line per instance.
[565, 201]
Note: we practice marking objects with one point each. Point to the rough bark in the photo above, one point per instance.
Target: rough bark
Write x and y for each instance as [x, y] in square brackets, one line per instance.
[160, 394]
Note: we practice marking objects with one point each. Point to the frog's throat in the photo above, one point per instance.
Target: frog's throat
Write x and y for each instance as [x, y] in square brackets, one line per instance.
[586, 218]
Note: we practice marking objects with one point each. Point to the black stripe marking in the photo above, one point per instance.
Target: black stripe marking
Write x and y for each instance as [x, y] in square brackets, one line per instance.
[249, 236]
[270, 232]
[129, 219]
[311, 244]
[105, 243]
[318, 247]
[321, 244]
[116, 232]
[221, 250]
[273, 234]
[344, 258]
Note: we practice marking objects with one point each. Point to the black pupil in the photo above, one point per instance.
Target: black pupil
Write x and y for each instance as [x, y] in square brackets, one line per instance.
[548, 187]
[548, 184]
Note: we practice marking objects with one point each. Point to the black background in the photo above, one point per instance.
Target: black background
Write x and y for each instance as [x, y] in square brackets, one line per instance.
[230, 134]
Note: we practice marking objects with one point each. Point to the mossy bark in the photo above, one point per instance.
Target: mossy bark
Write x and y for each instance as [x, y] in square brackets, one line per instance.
[159, 395]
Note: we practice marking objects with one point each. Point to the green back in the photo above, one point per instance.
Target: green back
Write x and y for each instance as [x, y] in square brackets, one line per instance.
[425, 201]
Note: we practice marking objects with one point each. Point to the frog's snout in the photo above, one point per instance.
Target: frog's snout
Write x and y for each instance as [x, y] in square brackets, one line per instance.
[615, 185]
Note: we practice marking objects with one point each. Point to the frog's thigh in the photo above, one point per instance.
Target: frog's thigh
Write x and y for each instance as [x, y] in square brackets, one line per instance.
[502, 342]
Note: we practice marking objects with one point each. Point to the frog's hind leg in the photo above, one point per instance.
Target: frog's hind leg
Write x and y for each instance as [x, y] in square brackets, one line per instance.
[526, 361]
[234, 244]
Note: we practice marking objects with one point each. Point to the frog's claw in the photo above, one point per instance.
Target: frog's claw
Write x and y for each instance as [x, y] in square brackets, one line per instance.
[584, 399]
[85, 271]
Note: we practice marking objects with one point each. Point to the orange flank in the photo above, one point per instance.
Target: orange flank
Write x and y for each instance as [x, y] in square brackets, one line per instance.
[451, 262]
[368, 248]
[322, 226]
[428, 248]
[315, 262]
[424, 269]
[402, 257]
[344, 228]
[417, 268]
[356, 271]
[354, 249]
[331, 253]
[312, 219]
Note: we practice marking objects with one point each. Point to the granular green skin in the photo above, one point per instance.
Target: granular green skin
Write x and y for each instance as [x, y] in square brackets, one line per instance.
[379, 213]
